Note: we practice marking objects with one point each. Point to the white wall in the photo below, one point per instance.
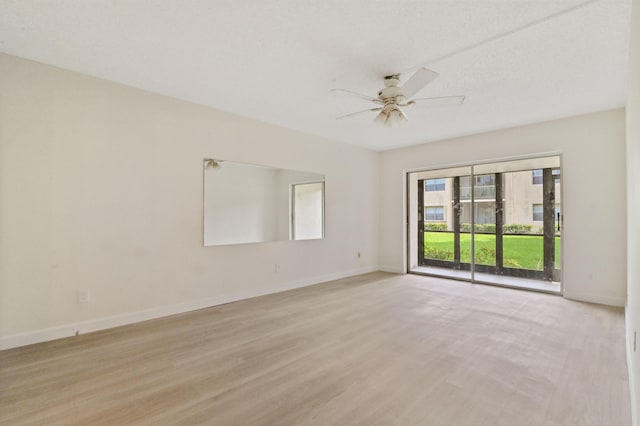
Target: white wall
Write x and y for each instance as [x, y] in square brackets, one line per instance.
[593, 180]
[101, 189]
[633, 209]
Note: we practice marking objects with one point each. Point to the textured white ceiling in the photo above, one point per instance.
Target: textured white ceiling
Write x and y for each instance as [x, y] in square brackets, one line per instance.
[276, 60]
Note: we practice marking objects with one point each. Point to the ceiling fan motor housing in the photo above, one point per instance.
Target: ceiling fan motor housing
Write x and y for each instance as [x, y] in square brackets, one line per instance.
[391, 89]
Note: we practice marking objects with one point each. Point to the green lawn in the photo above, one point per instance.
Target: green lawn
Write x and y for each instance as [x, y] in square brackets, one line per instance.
[520, 251]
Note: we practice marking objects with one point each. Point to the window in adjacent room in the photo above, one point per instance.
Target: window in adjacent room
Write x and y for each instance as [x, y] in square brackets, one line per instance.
[307, 211]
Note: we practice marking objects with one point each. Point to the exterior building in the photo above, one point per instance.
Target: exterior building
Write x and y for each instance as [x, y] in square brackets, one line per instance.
[522, 200]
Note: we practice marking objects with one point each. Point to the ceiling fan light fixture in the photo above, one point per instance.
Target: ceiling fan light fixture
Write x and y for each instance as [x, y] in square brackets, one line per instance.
[397, 117]
[382, 117]
[391, 117]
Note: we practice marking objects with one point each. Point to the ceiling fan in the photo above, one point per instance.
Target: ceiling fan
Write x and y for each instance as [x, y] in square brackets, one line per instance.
[392, 98]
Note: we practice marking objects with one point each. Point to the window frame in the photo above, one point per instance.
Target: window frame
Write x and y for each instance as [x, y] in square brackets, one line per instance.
[534, 212]
[535, 177]
[435, 187]
[442, 212]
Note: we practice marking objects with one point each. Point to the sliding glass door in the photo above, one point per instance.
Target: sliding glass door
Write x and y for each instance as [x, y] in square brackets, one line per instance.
[498, 223]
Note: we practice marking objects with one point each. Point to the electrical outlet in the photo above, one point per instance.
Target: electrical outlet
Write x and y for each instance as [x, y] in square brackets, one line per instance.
[277, 268]
[358, 255]
[83, 296]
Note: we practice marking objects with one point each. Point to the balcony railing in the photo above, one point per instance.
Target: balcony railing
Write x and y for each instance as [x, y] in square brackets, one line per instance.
[482, 192]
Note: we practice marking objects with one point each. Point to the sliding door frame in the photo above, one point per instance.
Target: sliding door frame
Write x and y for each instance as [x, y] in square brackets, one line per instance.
[549, 246]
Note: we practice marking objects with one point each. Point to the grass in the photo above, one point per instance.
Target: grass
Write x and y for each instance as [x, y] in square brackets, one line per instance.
[520, 251]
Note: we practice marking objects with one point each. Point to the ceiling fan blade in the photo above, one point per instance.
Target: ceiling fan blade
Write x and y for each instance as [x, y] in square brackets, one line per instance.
[418, 80]
[342, 117]
[437, 101]
[358, 95]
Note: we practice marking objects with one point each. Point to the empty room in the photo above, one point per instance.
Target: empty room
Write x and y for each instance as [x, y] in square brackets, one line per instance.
[388, 212]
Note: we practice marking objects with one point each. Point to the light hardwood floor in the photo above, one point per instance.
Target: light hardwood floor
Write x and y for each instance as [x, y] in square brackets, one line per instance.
[375, 349]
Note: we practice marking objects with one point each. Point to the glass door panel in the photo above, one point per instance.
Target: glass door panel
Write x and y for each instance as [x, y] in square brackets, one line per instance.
[484, 219]
[442, 248]
[523, 224]
[439, 243]
[526, 212]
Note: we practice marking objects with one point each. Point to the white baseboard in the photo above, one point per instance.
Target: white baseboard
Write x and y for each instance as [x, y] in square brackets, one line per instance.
[324, 278]
[595, 298]
[83, 327]
[392, 269]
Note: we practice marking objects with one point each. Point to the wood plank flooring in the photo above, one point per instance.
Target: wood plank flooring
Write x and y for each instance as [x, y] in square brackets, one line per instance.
[377, 349]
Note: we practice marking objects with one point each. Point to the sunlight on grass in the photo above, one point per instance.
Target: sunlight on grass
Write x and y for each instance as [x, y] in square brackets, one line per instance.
[520, 251]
